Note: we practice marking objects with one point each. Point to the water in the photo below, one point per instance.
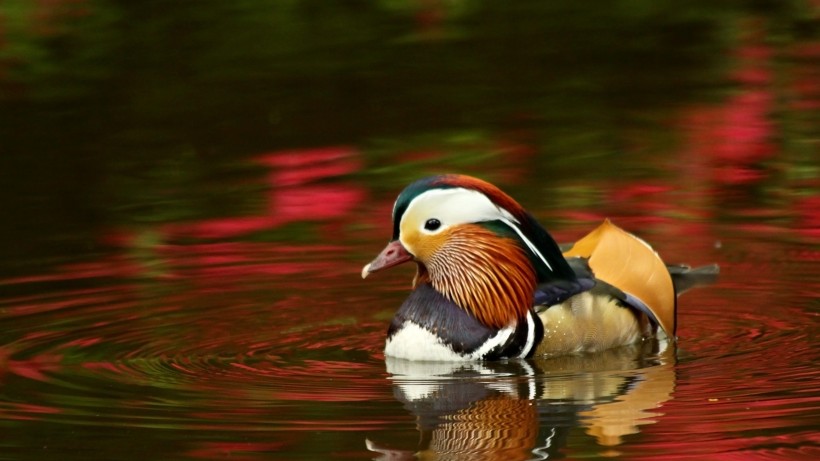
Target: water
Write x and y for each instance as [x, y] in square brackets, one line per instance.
[190, 194]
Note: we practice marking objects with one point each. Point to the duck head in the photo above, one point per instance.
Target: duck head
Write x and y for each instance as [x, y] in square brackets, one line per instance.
[473, 244]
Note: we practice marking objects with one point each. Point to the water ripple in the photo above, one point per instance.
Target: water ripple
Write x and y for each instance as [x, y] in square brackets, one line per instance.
[209, 347]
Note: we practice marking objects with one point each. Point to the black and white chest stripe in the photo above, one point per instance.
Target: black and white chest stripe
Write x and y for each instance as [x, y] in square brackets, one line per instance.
[428, 326]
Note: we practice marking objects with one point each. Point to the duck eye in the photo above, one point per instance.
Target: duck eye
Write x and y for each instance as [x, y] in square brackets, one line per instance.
[432, 224]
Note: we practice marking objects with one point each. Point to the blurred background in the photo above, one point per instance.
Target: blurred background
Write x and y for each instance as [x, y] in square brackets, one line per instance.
[131, 115]
[190, 189]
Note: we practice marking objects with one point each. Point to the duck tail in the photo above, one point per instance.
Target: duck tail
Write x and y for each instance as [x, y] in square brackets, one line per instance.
[685, 277]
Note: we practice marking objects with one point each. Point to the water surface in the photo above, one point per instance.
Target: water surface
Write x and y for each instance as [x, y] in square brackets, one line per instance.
[190, 194]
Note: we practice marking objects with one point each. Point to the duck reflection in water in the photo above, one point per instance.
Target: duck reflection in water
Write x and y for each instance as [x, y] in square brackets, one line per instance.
[525, 409]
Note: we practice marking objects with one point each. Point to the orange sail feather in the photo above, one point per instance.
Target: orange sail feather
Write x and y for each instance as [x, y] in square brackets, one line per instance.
[631, 265]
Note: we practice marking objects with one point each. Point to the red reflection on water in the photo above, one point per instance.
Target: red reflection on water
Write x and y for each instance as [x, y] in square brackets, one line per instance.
[303, 186]
[740, 133]
[234, 450]
[26, 411]
[231, 261]
[310, 203]
[35, 368]
[295, 167]
[296, 194]
[808, 216]
[293, 195]
[106, 366]
[218, 305]
[102, 297]
[115, 267]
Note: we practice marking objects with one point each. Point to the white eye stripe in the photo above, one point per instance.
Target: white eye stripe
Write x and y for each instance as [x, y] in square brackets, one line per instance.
[457, 206]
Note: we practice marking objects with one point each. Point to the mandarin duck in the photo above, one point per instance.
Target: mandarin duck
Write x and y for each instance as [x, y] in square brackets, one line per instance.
[491, 283]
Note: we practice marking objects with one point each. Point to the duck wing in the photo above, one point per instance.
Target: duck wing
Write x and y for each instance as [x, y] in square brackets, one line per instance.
[559, 290]
[633, 270]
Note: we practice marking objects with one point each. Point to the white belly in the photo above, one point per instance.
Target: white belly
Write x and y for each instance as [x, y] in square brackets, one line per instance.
[413, 342]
